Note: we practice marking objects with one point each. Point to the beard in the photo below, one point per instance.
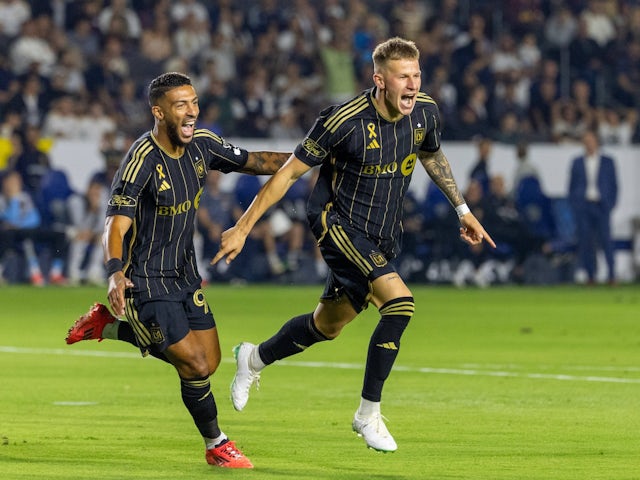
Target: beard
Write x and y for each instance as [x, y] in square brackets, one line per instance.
[172, 132]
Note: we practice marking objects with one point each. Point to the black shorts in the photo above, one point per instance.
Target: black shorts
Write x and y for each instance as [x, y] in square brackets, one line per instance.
[163, 322]
[354, 261]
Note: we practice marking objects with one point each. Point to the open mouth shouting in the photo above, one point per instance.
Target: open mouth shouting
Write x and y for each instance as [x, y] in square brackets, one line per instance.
[407, 101]
[187, 128]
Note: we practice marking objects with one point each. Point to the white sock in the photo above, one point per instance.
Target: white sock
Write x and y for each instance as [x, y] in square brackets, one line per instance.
[255, 362]
[214, 442]
[368, 408]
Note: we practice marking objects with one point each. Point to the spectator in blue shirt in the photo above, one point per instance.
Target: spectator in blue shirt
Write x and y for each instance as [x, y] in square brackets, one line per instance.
[21, 228]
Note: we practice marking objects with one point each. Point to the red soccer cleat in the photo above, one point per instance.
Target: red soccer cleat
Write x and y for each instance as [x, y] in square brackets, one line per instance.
[90, 325]
[227, 455]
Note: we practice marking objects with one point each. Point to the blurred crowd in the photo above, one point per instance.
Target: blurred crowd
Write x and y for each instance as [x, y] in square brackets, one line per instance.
[535, 234]
[541, 68]
[511, 71]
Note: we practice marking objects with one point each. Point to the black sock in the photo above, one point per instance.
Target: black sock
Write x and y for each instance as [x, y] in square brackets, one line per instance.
[197, 397]
[125, 333]
[385, 344]
[296, 335]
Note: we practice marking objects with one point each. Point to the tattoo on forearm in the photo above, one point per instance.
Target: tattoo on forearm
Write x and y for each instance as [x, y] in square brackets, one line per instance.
[438, 168]
[265, 163]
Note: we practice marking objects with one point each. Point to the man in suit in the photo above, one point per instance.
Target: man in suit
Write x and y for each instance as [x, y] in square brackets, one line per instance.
[593, 191]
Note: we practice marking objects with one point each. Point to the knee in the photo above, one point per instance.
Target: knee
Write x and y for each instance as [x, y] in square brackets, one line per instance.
[196, 366]
[330, 331]
[330, 317]
[331, 328]
[213, 364]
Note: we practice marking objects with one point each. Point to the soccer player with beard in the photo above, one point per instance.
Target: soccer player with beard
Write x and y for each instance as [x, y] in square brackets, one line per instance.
[150, 257]
[367, 149]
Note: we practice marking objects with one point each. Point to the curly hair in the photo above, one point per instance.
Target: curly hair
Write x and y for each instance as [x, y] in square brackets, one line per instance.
[165, 82]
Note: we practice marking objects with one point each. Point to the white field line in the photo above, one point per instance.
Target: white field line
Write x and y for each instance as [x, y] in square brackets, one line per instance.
[478, 370]
[591, 368]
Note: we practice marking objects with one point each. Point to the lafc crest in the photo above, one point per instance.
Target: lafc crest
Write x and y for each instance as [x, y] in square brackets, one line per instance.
[201, 171]
[378, 259]
[156, 334]
[418, 136]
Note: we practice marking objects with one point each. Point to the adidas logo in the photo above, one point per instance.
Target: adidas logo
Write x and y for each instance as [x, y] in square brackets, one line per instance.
[164, 186]
[374, 144]
[387, 345]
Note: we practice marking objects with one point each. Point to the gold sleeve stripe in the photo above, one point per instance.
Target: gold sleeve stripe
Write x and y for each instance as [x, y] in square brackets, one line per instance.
[136, 160]
[132, 169]
[345, 112]
[142, 155]
[347, 117]
[401, 308]
[207, 134]
[142, 334]
[424, 98]
[340, 238]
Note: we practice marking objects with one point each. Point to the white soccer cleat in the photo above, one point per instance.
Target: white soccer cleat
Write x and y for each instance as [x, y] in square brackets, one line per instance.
[374, 432]
[245, 375]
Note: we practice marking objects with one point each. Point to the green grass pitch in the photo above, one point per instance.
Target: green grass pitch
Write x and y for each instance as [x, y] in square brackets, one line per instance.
[504, 383]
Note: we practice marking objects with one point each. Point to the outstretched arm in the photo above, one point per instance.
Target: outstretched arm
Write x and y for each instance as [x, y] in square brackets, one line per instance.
[439, 170]
[272, 191]
[264, 163]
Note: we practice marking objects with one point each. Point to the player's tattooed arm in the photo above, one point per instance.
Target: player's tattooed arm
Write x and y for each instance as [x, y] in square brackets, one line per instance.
[439, 169]
[264, 163]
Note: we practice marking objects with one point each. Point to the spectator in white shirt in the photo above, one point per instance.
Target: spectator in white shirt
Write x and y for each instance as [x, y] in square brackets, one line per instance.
[13, 13]
[29, 49]
[61, 121]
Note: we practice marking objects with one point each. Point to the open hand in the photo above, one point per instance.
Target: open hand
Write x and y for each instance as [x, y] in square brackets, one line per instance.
[231, 244]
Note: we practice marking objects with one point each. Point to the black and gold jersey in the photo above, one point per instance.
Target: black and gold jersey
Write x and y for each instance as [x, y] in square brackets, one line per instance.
[161, 194]
[366, 164]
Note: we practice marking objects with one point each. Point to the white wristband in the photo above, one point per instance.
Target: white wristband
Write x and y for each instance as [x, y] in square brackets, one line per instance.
[462, 210]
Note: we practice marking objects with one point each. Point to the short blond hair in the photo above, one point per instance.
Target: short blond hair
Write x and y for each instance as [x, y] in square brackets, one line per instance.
[395, 48]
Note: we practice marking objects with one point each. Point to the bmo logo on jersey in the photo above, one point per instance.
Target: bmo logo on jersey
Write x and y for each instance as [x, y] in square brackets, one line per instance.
[408, 164]
[406, 167]
[179, 209]
[173, 210]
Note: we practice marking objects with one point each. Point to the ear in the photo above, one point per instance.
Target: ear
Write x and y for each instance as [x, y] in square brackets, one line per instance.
[157, 112]
[378, 79]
